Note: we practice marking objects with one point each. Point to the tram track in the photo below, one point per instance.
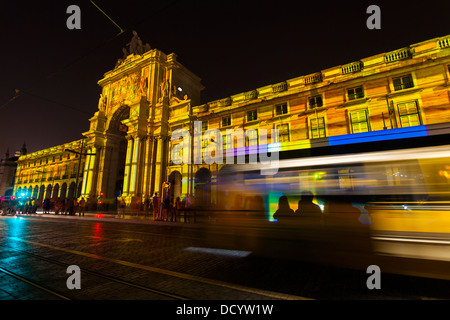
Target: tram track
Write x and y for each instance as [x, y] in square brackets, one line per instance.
[83, 270]
[204, 281]
[33, 283]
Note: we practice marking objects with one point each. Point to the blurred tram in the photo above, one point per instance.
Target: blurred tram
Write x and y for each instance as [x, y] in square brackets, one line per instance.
[384, 197]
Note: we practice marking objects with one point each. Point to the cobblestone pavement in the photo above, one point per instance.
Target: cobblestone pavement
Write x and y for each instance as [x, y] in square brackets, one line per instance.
[135, 258]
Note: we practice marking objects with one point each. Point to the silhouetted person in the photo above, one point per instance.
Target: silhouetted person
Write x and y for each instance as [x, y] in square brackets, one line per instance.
[70, 206]
[47, 205]
[306, 208]
[82, 206]
[284, 210]
[156, 211]
[166, 209]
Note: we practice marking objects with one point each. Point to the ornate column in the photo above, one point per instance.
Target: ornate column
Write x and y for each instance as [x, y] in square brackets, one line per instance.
[147, 187]
[126, 179]
[134, 166]
[84, 189]
[90, 190]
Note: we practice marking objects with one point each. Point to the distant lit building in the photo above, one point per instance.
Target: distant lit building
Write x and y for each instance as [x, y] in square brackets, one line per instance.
[8, 167]
[51, 173]
[146, 97]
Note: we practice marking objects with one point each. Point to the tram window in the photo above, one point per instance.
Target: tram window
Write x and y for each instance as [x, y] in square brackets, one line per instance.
[359, 121]
[409, 114]
[346, 179]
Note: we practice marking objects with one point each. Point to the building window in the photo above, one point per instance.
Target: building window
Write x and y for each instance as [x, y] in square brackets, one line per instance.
[281, 109]
[317, 126]
[283, 132]
[204, 126]
[252, 115]
[226, 121]
[409, 114]
[251, 137]
[355, 93]
[359, 121]
[226, 141]
[403, 82]
[315, 102]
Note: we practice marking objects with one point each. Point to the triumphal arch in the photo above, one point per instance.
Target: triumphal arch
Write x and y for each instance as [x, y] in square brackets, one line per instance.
[127, 145]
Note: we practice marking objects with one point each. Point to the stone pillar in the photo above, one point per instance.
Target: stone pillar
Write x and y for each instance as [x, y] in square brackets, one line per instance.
[157, 166]
[84, 189]
[147, 187]
[90, 190]
[134, 166]
[126, 179]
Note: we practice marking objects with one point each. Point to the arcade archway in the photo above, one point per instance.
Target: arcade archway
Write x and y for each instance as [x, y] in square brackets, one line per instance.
[175, 184]
[202, 187]
[117, 151]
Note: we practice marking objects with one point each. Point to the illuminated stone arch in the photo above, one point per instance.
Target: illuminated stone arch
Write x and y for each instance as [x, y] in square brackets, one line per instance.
[48, 192]
[35, 191]
[41, 192]
[71, 193]
[114, 124]
[115, 153]
[55, 191]
[175, 179]
[63, 192]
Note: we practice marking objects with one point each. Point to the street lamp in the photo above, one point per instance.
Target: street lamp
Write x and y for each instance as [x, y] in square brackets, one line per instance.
[79, 163]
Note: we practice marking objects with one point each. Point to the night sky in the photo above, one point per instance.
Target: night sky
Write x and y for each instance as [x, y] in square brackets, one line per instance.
[234, 46]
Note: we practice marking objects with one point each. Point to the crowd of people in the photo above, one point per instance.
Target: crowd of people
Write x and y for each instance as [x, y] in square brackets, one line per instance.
[66, 206]
[172, 209]
[334, 207]
[30, 205]
[169, 208]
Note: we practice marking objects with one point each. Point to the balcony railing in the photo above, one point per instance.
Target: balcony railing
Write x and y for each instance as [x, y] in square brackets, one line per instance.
[444, 43]
[279, 87]
[313, 78]
[352, 67]
[225, 102]
[251, 95]
[397, 55]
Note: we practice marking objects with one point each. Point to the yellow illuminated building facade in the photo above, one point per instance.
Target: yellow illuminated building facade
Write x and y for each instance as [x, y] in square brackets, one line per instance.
[148, 96]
